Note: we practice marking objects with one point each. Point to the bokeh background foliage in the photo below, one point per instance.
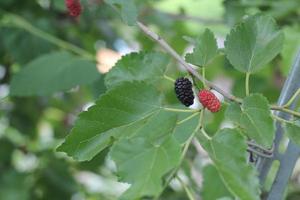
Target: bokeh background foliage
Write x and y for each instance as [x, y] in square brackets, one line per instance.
[38, 36]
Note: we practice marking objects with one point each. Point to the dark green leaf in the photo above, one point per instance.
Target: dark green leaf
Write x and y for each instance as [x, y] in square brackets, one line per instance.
[120, 106]
[142, 162]
[12, 36]
[126, 8]
[227, 149]
[254, 118]
[14, 185]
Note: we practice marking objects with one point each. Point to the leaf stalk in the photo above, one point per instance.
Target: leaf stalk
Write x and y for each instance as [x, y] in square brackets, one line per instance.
[247, 83]
[187, 190]
[290, 101]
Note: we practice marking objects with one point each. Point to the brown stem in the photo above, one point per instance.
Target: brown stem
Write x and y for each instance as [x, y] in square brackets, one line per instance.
[193, 72]
[186, 65]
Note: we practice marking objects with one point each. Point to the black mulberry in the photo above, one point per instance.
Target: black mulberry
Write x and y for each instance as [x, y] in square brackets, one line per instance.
[184, 91]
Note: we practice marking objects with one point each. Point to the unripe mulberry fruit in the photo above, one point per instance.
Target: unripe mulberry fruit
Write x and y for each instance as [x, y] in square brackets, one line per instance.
[209, 100]
[184, 91]
[74, 7]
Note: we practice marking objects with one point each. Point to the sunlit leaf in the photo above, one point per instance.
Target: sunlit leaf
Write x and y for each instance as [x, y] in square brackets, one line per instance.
[143, 66]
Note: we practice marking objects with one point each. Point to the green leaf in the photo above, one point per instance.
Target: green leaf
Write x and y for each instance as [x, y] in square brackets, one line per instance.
[211, 181]
[14, 185]
[157, 127]
[120, 106]
[233, 12]
[9, 37]
[56, 179]
[184, 130]
[131, 116]
[126, 8]
[290, 48]
[253, 43]
[142, 162]
[227, 149]
[205, 50]
[293, 131]
[51, 73]
[233, 113]
[142, 66]
[254, 118]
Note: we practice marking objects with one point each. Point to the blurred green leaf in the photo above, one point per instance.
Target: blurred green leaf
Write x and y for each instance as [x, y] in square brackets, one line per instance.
[127, 10]
[227, 149]
[14, 185]
[293, 131]
[59, 5]
[58, 71]
[6, 150]
[290, 48]
[254, 119]
[143, 66]
[20, 53]
[225, 198]
[233, 12]
[205, 49]
[55, 180]
[253, 43]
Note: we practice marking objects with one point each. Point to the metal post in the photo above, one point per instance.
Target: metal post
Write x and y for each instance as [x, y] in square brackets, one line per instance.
[289, 158]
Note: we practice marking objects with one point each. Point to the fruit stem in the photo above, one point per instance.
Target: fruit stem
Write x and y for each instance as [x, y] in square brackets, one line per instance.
[201, 117]
[195, 82]
[202, 125]
[205, 134]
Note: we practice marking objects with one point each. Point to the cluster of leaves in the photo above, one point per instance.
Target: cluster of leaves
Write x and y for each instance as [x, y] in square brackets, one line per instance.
[25, 113]
[137, 122]
[142, 131]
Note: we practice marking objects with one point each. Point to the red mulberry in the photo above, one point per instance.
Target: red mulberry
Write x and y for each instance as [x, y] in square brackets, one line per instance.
[209, 100]
[74, 7]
